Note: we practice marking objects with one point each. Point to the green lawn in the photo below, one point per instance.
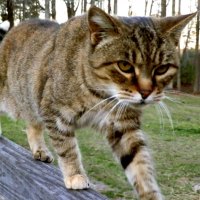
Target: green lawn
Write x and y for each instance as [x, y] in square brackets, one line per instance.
[176, 151]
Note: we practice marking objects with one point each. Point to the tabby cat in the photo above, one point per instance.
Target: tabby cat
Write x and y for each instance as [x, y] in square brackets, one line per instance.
[94, 70]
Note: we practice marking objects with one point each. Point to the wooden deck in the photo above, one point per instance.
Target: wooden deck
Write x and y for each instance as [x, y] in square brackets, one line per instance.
[22, 178]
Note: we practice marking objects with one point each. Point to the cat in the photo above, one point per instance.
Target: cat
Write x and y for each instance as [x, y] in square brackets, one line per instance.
[4, 27]
[94, 70]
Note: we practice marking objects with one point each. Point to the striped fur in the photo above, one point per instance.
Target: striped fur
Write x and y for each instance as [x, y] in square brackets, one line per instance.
[94, 70]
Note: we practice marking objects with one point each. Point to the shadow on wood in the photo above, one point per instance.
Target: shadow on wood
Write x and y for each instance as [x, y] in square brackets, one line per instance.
[22, 178]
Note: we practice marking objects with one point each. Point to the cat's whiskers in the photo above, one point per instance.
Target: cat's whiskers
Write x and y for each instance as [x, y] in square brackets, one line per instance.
[131, 101]
[123, 104]
[112, 109]
[160, 113]
[120, 110]
[99, 103]
[172, 99]
[181, 102]
[166, 110]
[181, 93]
[103, 110]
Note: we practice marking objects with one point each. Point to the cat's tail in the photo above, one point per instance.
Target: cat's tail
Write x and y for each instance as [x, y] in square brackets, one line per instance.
[4, 27]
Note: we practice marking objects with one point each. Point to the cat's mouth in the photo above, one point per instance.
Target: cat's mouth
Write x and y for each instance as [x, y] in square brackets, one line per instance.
[137, 100]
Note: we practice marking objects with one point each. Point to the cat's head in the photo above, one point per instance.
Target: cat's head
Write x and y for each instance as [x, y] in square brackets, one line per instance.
[133, 58]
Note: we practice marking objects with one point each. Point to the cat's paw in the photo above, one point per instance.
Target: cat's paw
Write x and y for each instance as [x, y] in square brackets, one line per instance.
[153, 195]
[43, 155]
[77, 182]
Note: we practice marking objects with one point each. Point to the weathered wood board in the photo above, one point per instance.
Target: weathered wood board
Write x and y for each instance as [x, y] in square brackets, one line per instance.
[23, 178]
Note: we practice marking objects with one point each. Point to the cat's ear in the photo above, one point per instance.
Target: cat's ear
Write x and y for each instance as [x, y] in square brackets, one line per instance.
[172, 26]
[101, 25]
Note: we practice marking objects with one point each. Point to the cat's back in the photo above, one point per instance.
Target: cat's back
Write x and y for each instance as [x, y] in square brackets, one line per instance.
[24, 41]
[31, 31]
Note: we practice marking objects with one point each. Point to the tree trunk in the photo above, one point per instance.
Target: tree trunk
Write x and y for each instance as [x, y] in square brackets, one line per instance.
[53, 9]
[145, 9]
[47, 11]
[83, 6]
[197, 57]
[71, 9]
[130, 12]
[101, 4]
[179, 71]
[151, 7]
[92, 2]
[109, 7]
[23, 9]
[10, 10]
[163, 8]
[179, 7]
[173, 7]
[170, 86]
[187, 42]
[115, 7]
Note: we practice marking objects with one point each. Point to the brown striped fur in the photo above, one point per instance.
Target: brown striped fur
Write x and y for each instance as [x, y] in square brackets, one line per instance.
[94, 70]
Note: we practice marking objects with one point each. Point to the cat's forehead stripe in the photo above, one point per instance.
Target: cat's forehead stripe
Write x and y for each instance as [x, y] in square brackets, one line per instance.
[131, 21]
[148, 45]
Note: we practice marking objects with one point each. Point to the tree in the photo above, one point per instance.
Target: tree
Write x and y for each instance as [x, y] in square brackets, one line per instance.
[145, 9]
[72, 6]
[100, 4]
[179, 7]
[115, 7]
[10, 10]
[163, 8]
[53, 9]
[173, 7]
[92, 2]
[47, 9]
[130, 12]
[109, 6]
[170, 86]
[196, 88]
[83, 6]
[26, 9]
[151, 7]
[179, 50]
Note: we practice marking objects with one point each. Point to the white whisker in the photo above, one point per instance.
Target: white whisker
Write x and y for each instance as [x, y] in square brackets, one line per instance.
[165, 108]
[130, 101]
[181, 93]
[99, 103]
[112, 109]
[120, 111]
[103, 108]
[172, 99]
[161, 118]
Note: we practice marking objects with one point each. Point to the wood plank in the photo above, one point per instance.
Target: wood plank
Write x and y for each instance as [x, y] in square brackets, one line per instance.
[23, 178]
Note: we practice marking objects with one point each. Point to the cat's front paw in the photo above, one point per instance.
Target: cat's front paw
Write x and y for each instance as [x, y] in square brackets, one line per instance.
[43, 155]
[154, 195]
[77, 182]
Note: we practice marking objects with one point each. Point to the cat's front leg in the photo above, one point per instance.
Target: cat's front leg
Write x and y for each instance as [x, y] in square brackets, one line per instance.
[69, 157]
[131, 150]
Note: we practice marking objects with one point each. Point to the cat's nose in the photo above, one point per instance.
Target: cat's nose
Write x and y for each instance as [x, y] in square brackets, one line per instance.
[145, 93]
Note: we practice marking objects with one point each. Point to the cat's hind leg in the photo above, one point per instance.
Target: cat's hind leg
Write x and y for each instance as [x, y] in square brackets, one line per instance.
[37, 143]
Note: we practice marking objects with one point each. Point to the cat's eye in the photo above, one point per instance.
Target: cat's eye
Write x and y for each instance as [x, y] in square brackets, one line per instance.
[161, 70]
[125, 67]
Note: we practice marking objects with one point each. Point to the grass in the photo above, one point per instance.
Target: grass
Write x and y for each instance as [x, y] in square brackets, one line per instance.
[176, 152]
